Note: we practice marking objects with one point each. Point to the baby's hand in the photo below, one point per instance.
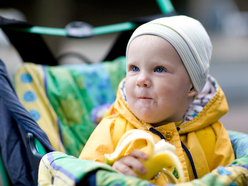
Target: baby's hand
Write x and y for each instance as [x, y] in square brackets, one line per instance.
[125, 164]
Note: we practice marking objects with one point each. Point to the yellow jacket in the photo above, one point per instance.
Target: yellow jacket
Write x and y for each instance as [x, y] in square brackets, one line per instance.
[204, 136]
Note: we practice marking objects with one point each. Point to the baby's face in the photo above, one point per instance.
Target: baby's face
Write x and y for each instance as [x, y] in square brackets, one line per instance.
[158, 87]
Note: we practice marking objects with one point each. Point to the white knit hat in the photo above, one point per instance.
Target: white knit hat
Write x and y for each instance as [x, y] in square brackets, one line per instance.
[190, 40]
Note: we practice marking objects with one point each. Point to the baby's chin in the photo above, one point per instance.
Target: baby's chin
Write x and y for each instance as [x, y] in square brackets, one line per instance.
[155, 120]
[149, 115]
[149, 119]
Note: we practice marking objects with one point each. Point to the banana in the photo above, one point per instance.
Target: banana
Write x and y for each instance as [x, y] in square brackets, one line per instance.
[161, 155]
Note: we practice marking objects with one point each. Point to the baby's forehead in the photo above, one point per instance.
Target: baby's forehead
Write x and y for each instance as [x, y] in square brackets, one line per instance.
[153, 50]
[147, 39]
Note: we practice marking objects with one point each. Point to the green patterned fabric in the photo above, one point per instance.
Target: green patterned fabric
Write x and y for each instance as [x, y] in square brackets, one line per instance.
[107, 178]
[74, 90]
[101, 79]
[239, 143]
[69, 98]
[222, 176]
[116, 70]
[52, 164]
[57, 168]
[61, 99]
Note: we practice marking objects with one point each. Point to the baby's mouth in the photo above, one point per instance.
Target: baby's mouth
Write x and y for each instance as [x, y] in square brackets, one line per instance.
[144, 97]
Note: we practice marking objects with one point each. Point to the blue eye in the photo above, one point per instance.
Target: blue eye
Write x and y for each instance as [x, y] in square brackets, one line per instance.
[135, 69]
[159, 69]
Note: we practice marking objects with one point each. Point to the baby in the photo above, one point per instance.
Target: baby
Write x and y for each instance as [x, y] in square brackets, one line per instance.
[168, 93]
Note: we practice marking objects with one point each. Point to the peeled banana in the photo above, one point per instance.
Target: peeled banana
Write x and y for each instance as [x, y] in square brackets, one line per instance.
[161, 155]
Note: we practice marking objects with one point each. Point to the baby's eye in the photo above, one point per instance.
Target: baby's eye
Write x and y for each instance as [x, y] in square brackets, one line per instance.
[134, 68]
[159, 69]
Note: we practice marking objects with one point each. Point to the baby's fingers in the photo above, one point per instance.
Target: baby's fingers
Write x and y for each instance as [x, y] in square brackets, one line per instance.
[130, 161]
[138, 154]
[124, 169]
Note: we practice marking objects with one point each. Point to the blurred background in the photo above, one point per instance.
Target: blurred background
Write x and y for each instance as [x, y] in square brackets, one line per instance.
[225, 20]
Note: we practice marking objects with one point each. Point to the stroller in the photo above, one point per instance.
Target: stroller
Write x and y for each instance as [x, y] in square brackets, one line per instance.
[23, 132]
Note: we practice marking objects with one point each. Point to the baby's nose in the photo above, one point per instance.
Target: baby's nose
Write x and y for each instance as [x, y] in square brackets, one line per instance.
[143, 80]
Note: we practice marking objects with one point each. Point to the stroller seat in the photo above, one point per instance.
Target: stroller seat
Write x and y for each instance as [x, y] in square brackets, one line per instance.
[60, 98]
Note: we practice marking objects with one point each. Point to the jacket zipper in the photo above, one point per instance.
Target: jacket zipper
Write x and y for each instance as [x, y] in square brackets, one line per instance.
[153, 130]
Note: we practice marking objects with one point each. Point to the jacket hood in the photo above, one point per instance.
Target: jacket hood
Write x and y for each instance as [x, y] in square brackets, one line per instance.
[208, 107]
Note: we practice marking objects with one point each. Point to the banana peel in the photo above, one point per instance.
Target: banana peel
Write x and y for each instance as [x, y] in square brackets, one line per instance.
[161, 155]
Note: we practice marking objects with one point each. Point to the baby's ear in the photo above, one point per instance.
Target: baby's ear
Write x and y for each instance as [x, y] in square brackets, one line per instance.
[192, 92]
